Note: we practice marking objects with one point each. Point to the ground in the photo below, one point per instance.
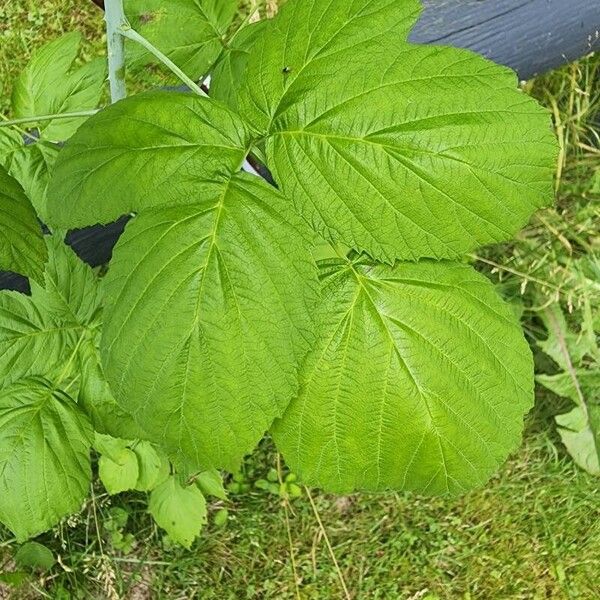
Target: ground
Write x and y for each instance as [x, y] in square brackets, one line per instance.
[532, 532]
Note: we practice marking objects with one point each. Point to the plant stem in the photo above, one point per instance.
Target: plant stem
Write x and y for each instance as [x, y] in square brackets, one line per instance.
[40, 118]
[115, 20]
[126, 31]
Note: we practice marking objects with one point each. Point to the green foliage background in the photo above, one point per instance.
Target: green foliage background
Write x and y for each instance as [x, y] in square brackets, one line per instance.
[532, 533]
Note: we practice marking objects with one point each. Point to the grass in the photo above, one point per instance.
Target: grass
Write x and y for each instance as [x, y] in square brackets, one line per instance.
[533, 532]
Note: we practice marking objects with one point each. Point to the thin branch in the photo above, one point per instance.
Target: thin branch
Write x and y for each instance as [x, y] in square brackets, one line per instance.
[127, 31]
[41, 118]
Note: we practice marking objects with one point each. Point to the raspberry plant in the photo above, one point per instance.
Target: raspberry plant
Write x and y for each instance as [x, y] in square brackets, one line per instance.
[334, 309]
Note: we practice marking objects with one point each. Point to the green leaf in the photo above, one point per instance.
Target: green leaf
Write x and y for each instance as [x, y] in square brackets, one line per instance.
[95, 396]
[32, 555]
[40, 334]
[49, 86]
[228, 75]
[180, 274]
[121, 474]
[397, 149]
[22, 248]
[180, 147]
[180, 511]
[565, 347]
[210, 246]
[153, 465]
[190, 32]
[579, 429]
[420, 381]
[30, 165]
[211, 484]
[44, 457]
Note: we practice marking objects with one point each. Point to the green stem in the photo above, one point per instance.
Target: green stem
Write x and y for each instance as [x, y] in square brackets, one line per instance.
[41, 118]
[126, 31]
[115, 19]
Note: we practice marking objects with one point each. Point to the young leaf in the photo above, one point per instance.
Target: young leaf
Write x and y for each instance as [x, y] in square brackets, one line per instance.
[48, 86]
[397, 149]
[44, 456]
[30, 164]
[22, 248]
[420, 382]
[210, 289]
[211, 484]
[121, 474]
[32, 555]
[190, 32]
[180, 511]
[153, 465]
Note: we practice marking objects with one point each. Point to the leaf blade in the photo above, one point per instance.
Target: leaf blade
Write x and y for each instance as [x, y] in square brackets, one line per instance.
[22, 247]
[420, 382]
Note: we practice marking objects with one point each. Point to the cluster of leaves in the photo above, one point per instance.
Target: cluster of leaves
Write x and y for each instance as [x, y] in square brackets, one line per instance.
[321, 309]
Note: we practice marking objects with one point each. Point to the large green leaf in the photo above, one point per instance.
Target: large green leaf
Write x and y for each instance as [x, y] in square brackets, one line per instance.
[207, 316]
[154, 149]
[420, 381]
[49, 85]
[190, 32]
[211, 287]
[402, 150]
[22, 248]
[30, 164]
[44, 456]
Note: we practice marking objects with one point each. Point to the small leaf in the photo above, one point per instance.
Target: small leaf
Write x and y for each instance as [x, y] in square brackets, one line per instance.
[180, 511]
[420, 381]
[121, 474]
[110, 446]
[33, 555]
[153, 466]
[22, 249]
[48, 86]
[44, 457]
[30, 164]
[221, 517]
[579, 429]
[211, 484]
